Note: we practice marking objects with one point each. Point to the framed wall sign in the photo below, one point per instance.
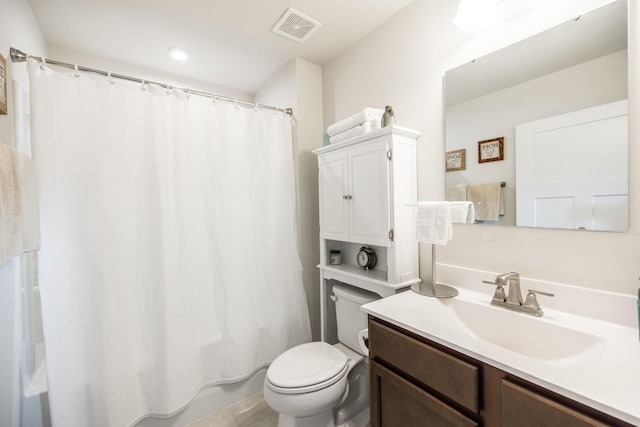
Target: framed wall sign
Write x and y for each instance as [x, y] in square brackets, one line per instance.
[455, 160]
[3, 85]
[491, 150]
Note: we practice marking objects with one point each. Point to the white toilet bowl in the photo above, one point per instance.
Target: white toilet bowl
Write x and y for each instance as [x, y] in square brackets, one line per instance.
[322, 385]
[306, 383]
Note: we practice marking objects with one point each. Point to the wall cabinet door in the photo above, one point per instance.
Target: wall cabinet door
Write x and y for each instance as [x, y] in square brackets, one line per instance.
[369, 187]
[334, 191]
[354, 194]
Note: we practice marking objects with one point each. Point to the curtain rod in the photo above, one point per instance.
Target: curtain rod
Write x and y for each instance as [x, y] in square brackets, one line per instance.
[19, 56]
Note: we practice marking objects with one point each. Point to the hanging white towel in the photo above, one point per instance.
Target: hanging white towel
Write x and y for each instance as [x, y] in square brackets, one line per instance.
[10, 205]
[19, 213]
[366, 115]
[353, 132]
[433, 223]
[462, 213]
[455, 192]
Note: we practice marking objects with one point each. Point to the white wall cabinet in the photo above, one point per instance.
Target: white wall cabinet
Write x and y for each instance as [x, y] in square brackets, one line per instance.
[354, 194]
[368, 196]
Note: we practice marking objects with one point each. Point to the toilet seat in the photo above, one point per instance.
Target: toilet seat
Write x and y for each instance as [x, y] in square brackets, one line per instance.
[307, 368]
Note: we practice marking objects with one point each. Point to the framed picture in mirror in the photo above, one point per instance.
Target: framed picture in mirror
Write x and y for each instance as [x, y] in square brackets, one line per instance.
[455, 160]
[491, 150]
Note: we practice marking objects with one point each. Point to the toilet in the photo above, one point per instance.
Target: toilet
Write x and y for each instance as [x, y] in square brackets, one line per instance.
[322, 385]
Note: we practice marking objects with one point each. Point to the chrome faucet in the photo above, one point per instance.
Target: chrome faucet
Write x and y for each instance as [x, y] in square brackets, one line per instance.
[513, 299]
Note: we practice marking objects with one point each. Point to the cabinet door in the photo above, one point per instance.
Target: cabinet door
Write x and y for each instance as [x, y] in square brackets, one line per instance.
[396, 402]
[369, 187]
[525, 408]
[334, 191]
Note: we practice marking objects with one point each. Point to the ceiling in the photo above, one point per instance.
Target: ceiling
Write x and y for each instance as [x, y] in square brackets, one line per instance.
[230, 41]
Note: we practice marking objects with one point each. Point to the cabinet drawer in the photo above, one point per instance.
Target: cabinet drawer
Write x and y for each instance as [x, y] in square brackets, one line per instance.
[446, 374]
[397, 402]
[525, 408]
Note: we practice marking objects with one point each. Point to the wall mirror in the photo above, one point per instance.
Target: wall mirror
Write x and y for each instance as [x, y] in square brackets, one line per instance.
[546, 119]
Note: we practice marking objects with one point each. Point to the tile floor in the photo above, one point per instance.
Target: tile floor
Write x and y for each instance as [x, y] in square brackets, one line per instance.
[251, 412]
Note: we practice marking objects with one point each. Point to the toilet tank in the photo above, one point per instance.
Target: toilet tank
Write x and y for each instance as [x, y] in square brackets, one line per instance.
[349, 318]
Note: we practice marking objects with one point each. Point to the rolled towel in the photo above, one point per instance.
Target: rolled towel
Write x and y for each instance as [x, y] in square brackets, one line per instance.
[353, 132]
[366, 115]
[433, 223]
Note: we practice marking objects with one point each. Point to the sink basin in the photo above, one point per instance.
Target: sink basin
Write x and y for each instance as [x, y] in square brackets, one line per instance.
[527, 335]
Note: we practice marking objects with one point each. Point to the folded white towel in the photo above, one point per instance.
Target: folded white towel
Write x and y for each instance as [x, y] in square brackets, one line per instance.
[455, 192]
[353, 132]
[487, 199]
[19, 216]
[433, 223]
[462, 213]
[366, 115]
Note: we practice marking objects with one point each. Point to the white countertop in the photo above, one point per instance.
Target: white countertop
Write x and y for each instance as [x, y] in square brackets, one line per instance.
[605, 377]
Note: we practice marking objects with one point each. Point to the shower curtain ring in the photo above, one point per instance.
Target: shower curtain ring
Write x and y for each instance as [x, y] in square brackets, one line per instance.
[110, 78]
[144, 85]
[77, 75]
[169, 88]
[188, 91]
[255, 107]
[235, 103]
[43, 63]
[213, 98]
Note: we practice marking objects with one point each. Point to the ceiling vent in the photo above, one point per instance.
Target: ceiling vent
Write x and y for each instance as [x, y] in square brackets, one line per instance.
[296, 26]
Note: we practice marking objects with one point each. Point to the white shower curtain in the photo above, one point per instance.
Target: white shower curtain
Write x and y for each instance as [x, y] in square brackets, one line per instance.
[169, 258]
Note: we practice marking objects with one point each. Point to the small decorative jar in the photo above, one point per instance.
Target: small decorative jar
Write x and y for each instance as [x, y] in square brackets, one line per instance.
[335, 257]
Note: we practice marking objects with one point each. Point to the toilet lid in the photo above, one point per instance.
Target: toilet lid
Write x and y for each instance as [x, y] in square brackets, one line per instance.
[307, 364]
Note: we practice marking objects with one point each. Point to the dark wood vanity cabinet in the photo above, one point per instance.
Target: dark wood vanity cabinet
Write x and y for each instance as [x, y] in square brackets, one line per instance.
[416, 382]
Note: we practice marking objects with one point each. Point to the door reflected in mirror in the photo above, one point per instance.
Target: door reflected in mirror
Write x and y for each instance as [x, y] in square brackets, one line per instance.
[558, 100]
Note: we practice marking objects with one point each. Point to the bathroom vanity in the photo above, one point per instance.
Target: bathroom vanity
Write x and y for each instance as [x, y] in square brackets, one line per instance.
[437, 360]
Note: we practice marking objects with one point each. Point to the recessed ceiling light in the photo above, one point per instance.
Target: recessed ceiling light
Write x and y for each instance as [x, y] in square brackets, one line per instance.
[179, 54]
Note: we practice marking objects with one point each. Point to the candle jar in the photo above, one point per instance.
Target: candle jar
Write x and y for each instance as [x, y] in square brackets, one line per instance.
[335, 257]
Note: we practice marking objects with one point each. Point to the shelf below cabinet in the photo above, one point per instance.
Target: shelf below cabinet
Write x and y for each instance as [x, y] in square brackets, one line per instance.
[371, 280]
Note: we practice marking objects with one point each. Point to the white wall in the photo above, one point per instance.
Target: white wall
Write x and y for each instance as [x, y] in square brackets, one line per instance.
[18, 29]
[402, 64]
[299, 85]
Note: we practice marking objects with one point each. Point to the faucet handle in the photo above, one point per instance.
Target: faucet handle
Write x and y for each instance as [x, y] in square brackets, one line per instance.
[499, 293]
[534, 292]
[532, 301]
